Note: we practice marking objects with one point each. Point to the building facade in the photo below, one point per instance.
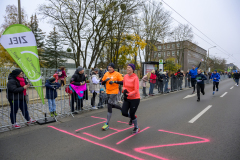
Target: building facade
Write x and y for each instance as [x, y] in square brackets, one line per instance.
[185, 53]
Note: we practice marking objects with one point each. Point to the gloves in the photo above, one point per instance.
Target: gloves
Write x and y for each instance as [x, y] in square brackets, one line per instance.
[107, 79]
[111, 82]
[125, 94]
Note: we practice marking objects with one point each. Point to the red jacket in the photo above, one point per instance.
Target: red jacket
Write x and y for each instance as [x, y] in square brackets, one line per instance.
[153, 78]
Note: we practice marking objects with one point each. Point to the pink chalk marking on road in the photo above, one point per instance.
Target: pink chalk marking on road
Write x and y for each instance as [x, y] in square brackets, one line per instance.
[102, 145]
[131, 136]
[100, 138]
[89, 126]
[98, 117]
[140, 150]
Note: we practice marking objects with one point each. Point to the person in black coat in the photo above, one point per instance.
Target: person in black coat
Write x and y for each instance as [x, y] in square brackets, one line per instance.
[78, 79]
[51, 94]
[100, 73]
[16, 93]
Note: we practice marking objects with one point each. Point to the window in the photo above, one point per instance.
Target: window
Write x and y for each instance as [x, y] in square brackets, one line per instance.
[173, 53]
[173, 45]
[159, 47]
[164, 54]
[177, 53]
[178, 45]
[159, 54]
[164, 47]
[168, 53]
[168, 46]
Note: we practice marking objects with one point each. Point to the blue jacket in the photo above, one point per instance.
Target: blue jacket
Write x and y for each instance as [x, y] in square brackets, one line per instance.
[51, 88]
[200, 78]
[193, 73]
[217, 76]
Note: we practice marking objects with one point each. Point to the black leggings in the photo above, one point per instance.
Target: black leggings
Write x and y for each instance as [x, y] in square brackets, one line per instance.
[93, 99]
[200, 88]
[132, 105]
[62, 83]
[193, 83]
[215, 84]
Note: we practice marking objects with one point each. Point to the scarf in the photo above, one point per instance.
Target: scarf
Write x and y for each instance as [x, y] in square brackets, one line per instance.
[22, 83]
[78, 89]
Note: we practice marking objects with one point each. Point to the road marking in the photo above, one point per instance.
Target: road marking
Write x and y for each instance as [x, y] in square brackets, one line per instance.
[200, 114]
[232, 87]
[189, 96]
[224, 94]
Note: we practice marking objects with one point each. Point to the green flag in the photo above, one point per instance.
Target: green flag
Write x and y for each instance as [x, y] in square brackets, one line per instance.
[20, 43]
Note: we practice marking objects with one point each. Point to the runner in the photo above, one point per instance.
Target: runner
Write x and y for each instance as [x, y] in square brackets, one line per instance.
[112, 79]
[193, 73]
[215, 76]
[200, 83]
[131, 96]
[236, 76]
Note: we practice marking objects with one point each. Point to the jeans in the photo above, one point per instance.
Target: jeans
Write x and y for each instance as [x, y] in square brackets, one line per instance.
[166, 87]
[151, 88]
[15, 105]
[52, 105]
[237, 81]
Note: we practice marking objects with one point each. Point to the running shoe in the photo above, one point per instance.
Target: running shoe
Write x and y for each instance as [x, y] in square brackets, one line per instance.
[136, 130]
[51, 114]
[94, 108]
[198, 100]
[105, 127]
[130, 122]
[55, 113]
[203, 93]
[213, 93]
[193, 92]
[217, 89]
[16, 126]
[31, 121]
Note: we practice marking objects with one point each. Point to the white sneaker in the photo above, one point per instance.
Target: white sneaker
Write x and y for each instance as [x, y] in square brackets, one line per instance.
[94, 108]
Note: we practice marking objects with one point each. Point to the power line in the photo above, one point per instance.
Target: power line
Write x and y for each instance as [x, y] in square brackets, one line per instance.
[194, 26]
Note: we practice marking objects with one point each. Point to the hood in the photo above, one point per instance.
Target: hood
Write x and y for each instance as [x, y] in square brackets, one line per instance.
[10, 76]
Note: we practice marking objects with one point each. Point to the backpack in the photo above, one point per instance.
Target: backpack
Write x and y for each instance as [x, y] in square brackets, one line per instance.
[68, 90]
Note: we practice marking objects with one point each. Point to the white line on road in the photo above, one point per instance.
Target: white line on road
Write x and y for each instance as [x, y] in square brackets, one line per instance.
[224, 94]
[232, 87]
[200, 114]
[189, 96]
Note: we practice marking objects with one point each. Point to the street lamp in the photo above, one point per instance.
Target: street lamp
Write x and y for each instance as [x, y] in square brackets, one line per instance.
[208, 54]
[19, 12]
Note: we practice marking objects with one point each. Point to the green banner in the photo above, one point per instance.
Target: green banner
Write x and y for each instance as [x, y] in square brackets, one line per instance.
[20, 43]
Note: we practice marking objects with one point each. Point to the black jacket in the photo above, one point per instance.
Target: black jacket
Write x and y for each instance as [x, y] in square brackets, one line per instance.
[160, 77]
[236, 75]
[100, 74]
[76, 79]
[51, 88]
[14, 89]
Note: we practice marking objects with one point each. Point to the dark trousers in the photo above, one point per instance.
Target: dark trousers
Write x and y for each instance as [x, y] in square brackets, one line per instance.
[93, 99]
[15, 105]
[62, 83]
[160, 86]
[79, 102]
[193, 83]
[200, 88]
[237, 81]
[215, 84]
[132, 105]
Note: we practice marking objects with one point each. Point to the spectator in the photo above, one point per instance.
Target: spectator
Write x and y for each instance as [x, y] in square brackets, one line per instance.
[57, 74]
[101, 73]
[102, 98]
[160, 82]
[157, 82]
[236, 76]
[78, 79]
[17, 95]
[94, 87]
[143, 84]
[188, 79]
[63, 76]
[153, 78]
[51, 94]
[165, 81]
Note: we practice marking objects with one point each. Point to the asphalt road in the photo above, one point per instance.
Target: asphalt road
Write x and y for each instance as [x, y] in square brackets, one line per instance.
[166, 131]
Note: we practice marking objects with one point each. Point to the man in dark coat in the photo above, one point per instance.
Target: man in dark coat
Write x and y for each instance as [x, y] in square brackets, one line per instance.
[78, 79]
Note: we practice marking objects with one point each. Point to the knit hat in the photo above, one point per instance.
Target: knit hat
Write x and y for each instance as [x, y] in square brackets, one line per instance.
[101, 89]
[51, 79]
[133, 66]
[111, 65]
[59, 70]
[215, 70]
[95, 70]
[80, 69]
[16, 72]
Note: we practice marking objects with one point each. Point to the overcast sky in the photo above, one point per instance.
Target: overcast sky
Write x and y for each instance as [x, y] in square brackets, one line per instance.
[218, 19]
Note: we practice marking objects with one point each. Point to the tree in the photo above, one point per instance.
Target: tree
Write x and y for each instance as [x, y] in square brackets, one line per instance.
[39, 36]
[156, 23]
[54, 56]
[11, 17]
[171, 65]
[5, 59]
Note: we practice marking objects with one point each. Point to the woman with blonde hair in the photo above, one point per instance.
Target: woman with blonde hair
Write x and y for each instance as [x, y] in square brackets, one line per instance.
[152, 78]
[144, 83]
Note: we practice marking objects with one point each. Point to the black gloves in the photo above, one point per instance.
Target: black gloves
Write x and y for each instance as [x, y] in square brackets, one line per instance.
[125, 94]
[111, 82]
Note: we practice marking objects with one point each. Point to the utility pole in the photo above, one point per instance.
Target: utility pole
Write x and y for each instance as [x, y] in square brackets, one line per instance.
[208, 56]
[19, 12]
